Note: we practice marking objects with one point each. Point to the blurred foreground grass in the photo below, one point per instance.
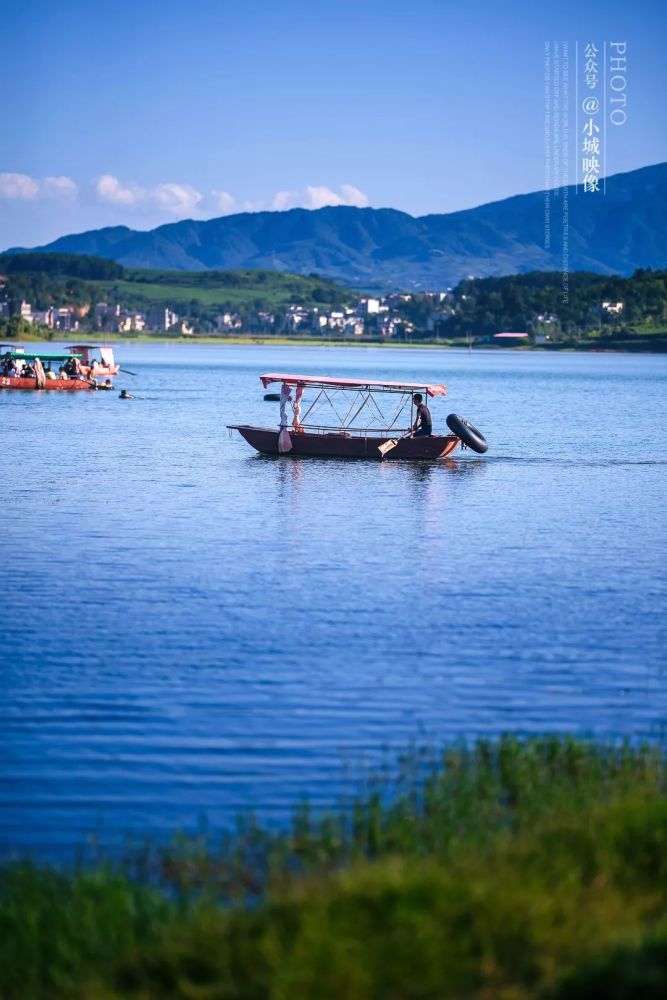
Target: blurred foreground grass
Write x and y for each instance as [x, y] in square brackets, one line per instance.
[509, 869]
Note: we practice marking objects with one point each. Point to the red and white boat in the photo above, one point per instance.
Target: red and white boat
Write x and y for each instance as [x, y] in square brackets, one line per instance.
[353, 418]
[103, 362]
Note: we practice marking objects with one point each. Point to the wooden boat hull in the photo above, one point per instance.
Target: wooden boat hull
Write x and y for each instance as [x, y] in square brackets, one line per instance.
[64, 384]
[265, 440]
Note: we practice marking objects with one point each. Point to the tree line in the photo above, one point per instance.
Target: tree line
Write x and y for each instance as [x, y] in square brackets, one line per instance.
[514, 303]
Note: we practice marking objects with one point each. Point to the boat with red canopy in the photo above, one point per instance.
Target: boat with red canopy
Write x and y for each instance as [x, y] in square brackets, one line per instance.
[96, 361]
[349, 418]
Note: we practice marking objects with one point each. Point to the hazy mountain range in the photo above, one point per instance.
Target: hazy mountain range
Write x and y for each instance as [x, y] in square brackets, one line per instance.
[615, 232]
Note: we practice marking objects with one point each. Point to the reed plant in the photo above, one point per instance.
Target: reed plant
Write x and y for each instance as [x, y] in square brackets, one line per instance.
[509, 868]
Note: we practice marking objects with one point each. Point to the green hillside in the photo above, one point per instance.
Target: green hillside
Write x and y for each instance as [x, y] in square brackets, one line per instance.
[224, 289]
[47, 279]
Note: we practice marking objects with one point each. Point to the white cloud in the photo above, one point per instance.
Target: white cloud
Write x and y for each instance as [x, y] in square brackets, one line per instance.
[253, 206]
[178, 199]
[110, 189]
[353, 196]
[60, 187]
[26, 188]
[225, 203]
[18, 186]
[319, 197]
[283, 200]
[313, 196]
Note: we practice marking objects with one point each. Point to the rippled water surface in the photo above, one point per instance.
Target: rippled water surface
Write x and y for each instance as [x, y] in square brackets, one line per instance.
[189, 629]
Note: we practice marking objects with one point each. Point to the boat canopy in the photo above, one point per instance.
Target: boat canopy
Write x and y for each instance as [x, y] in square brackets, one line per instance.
[351, 383]
[42, 357]
[81, 347]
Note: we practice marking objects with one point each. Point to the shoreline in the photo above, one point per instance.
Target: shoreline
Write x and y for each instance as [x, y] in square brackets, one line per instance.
[589, 347]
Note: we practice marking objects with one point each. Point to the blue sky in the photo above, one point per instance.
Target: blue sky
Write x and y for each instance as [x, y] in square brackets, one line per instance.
[143, 113]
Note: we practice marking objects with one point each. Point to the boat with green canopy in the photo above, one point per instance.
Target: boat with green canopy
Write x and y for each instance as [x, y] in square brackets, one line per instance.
[27, 371]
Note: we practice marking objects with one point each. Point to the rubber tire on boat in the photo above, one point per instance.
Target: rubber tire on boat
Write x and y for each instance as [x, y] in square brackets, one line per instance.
[471, 437]
[272, 397]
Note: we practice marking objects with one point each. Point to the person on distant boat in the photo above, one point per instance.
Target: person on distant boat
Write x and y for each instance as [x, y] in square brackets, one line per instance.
[124, 394]
[28, 371]
[423, 425]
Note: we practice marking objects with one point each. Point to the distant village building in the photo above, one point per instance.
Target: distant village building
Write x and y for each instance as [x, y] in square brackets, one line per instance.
[266, 320]
[64, 319]
[131, 322]
[161, 319]
[436, 319]
[25, 311]
[106, 316]
[44, 317]
[224, 322]
[299, 319]
[616, 308]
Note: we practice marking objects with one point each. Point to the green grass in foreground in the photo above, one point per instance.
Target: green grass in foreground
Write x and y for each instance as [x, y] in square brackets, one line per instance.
[515, 869]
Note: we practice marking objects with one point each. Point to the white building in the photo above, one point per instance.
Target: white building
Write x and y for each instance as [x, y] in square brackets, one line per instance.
[63, 319]
[132, 322]
[227, 321]
[44, 317]
[160, 318]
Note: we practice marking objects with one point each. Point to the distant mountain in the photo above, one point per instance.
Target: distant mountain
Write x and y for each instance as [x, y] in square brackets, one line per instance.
[616, 232]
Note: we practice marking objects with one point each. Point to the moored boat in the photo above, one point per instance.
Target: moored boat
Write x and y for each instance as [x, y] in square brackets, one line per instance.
[353, 418]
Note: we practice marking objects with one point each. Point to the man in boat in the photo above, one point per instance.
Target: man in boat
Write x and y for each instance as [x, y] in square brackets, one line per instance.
[423, 425]
[71, 368]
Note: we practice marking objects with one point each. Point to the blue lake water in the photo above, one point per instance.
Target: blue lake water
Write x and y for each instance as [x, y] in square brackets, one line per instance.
[190, 629]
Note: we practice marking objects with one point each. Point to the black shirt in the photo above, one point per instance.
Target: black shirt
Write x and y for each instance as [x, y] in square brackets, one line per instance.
[424, 417]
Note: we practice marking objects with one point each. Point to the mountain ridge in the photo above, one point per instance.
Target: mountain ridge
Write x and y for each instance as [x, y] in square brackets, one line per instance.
[616, 232]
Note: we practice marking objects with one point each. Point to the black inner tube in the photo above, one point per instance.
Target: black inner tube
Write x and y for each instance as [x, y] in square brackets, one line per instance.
[467, 433]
